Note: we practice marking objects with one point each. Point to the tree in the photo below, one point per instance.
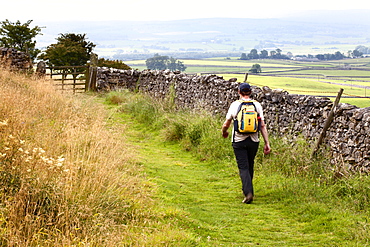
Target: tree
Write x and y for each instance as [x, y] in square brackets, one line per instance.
[256, 68]
[20, 36]
[273, 54]
[243, 56]
[357, 53]
[70, 50]
[338, 55]
[264, 54]
[278, 53]
[164, 62]
[253, 54]
[320, 56]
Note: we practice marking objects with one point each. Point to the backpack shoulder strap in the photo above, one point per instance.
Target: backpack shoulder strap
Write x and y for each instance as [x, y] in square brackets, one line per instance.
[239, 107]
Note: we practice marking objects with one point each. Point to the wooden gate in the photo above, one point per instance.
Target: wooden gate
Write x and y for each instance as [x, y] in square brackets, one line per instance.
[73, 78]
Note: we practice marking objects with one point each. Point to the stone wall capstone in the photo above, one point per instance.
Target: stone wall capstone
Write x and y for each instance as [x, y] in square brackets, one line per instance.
[285, 114]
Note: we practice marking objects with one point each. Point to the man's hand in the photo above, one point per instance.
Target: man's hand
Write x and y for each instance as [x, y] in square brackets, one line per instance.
[266, 149]
[224, 128]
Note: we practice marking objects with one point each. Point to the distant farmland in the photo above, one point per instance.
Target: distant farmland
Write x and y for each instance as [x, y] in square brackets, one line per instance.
[309, 78]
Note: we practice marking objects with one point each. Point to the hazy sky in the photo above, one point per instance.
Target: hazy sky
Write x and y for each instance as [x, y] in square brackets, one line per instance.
[54, 10]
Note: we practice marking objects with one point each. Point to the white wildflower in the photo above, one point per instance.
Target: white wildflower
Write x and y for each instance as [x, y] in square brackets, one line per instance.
[39, 150]
[45, 159]
[60, 159]
[3, 123]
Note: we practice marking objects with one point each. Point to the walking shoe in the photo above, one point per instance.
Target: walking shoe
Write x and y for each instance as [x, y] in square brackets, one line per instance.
[248, 199]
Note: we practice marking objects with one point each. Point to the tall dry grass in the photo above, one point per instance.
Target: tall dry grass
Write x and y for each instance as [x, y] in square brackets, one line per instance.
[66, 178]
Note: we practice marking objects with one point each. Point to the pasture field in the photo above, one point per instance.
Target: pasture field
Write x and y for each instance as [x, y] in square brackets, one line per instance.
[323, 78]
[332, 63]
[236, 62]
[223, 62]
[309, 87]
[218, 65]
[340, 73]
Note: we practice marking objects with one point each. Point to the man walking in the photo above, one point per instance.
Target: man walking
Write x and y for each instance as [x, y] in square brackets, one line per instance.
[246, 145]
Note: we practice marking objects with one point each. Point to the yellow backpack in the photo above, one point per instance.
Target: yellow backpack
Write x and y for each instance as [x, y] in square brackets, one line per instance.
[247, 118]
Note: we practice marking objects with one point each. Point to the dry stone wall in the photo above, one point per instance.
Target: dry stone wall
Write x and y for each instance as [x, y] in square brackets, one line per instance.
[285, 114]
[14, 59]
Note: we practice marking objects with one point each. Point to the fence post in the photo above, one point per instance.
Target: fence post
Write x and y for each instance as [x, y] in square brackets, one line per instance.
[87, 77]
[93, 72]
[245, 77]
[63, 75]
[74, 79]
[327, 123]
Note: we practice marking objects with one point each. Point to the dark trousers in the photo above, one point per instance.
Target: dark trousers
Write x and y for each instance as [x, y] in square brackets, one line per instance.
[245, 152]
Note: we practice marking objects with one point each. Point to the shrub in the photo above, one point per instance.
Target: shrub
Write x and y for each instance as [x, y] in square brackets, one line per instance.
[117, 64]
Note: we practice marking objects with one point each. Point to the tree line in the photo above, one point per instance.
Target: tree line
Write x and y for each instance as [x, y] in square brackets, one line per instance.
[264, 54]
[276, 54]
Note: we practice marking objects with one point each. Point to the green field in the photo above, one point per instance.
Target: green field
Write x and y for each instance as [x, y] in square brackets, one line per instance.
[323, 78]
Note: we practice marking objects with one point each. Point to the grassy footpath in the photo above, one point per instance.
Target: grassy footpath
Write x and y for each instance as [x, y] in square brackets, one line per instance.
[210, 198]
[205, 197]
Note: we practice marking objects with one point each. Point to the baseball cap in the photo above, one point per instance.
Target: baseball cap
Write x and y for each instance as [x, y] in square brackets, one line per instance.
[244, 87]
